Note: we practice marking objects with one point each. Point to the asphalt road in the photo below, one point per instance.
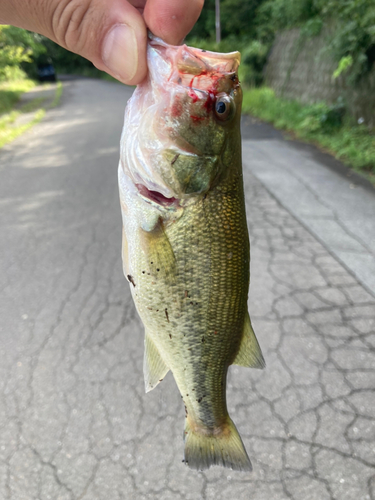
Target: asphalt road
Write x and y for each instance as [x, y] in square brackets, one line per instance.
[74, 420]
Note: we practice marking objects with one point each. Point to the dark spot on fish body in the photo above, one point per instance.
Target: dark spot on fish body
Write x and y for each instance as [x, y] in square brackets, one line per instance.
[166, 314]
[175, 158]
[131, 280]
[170, 336]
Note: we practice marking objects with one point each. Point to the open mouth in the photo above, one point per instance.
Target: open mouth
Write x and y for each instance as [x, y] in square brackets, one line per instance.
[156, 197]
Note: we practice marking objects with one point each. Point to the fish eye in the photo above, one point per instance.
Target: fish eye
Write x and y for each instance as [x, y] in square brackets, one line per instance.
[223, 107]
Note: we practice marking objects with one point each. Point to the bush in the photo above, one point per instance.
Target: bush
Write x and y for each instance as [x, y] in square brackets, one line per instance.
[254, 58]
[18, 48]
[238, 18]
[352, 24]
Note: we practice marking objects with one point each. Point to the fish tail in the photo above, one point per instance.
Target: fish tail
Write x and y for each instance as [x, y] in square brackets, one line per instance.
[225, 448]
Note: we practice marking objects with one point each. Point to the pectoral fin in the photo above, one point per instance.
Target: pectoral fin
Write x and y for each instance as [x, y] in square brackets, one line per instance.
[249, 353]
[161, 259]
[125, 254]
[154, 368]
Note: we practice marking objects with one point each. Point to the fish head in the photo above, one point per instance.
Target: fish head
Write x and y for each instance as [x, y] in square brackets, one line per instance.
[182, 125]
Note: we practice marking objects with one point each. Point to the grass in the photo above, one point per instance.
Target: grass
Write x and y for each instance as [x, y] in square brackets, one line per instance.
[10, 93]
[59, 89]
[323, 125]
[9, 129]
[8, 133]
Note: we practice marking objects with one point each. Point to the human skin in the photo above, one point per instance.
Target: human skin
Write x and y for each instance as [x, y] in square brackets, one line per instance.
[112, 34]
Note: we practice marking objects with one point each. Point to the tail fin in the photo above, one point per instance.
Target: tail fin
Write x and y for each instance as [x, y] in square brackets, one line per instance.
[225, 448]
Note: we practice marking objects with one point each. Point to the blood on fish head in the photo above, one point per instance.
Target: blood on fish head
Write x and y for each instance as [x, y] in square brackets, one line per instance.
[191, 105]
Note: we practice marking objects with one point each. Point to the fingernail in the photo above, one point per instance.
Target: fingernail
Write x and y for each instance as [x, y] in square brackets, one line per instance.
[120, 52]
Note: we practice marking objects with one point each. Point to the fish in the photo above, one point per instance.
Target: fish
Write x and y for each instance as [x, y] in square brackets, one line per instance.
[185, 247]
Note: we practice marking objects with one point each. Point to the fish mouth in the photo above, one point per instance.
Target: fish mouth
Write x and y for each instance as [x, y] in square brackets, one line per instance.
[155, 197]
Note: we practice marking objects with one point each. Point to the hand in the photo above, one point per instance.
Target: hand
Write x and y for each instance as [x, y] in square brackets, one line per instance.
[112, 34]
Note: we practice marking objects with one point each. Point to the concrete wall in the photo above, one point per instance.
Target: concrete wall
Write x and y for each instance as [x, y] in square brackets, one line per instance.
[301, 68]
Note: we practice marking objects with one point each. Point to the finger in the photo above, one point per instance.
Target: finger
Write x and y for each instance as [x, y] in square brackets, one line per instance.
[172, 20]
[110, 33]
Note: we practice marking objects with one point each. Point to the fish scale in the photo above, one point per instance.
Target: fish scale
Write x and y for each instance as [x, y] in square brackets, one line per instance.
[185, 241]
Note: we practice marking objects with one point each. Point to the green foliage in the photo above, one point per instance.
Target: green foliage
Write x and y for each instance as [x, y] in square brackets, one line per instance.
[14, 122]
[10, 93]
[282, 14]
[254, 58]
[344, 64]
[293, 115]
[351, 22]
[238, 18]
[21, 51]
[63, 60]
[17, 47]
[319, 123]
[205, 26]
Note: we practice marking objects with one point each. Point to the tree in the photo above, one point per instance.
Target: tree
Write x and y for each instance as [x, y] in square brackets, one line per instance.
[17, 46]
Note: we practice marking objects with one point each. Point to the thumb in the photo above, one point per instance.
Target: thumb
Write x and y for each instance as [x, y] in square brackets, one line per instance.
[113, 36]
[109, 33]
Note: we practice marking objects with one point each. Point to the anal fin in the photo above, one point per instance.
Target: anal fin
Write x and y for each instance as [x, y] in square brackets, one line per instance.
[249, 354]
[154, 368]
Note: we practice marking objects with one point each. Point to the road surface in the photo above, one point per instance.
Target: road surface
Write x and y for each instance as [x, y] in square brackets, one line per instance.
[75, 423]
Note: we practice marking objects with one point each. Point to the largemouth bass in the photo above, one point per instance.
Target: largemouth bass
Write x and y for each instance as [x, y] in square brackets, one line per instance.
[185, 239]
